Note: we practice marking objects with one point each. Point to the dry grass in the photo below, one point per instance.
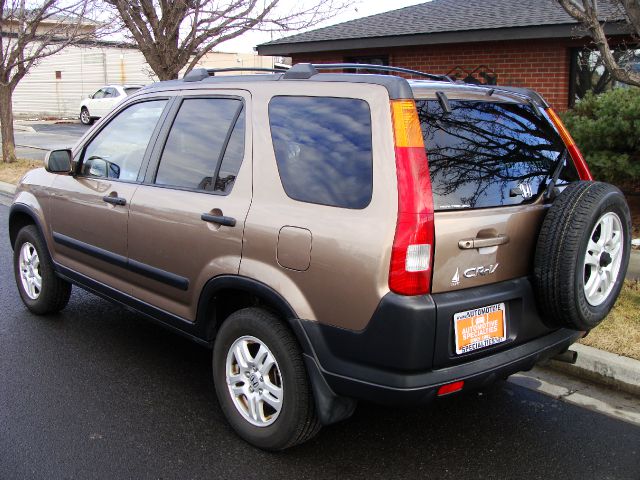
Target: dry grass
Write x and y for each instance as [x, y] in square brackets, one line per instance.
[620, 331]
[12, 172]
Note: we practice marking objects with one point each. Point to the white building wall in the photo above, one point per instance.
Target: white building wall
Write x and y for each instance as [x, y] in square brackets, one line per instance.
[83, 70]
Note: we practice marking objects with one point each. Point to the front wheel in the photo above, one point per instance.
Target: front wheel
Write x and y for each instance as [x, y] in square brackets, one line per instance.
[261, 381]
[41, 290]
[85, 117]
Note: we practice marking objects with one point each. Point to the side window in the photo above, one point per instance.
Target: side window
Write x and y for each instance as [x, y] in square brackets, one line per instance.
[200, 135]
[323, 149]
[98, 94]
[118, 149]
[111, 92]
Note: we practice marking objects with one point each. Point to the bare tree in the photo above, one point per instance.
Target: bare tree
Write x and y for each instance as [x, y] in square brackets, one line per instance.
[29, 32]
[586, 12]
[176, 34]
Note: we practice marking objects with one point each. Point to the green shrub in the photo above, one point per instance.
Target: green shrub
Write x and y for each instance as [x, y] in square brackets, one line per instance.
[606, 128]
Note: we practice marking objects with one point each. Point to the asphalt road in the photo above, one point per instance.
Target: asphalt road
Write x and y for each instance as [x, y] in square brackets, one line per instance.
[98, 392]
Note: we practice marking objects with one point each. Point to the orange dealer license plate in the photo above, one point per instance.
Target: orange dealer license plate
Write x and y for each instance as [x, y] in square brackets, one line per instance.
[480, 328]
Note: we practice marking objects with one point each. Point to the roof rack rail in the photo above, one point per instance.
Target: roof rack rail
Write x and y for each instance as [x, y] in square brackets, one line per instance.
[307, 70]
[198, 74]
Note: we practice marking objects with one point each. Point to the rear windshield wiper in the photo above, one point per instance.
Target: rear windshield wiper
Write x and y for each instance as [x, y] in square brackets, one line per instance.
[550, 189]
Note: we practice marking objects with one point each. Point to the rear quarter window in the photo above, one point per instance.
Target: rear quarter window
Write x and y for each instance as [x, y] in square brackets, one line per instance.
[323, 149]
[481, 151]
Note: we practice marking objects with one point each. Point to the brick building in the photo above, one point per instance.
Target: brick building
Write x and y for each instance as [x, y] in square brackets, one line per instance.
[527, 43]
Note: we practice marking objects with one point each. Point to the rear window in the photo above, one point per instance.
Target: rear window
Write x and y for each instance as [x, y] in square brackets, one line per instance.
[323, 149]
[482, 152]
[131, 90]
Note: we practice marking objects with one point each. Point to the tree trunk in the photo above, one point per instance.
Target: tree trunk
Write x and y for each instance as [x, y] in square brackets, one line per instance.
[6, 124]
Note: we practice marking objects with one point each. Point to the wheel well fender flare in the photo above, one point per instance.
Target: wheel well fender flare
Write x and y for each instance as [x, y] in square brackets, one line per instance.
[17, 215]
[242, 284]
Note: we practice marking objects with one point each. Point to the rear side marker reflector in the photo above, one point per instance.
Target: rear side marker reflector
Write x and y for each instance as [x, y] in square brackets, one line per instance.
[450, 388]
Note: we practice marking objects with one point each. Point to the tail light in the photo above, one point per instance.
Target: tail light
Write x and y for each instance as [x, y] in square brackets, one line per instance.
[578, 159]
[412, 252]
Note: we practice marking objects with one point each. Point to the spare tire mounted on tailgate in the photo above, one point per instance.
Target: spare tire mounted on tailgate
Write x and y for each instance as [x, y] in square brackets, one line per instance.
[582, 255]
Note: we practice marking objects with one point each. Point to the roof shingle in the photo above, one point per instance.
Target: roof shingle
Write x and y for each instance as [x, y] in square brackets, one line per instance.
[439, 16]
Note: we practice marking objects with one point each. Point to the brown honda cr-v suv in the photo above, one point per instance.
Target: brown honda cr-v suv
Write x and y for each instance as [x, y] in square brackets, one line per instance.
[331, 236]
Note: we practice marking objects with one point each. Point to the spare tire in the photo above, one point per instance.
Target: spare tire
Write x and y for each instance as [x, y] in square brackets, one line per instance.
[582, 255]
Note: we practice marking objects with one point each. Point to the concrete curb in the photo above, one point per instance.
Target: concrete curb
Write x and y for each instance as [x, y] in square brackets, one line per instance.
[633, 272]
[7, 188]
[602, 367]
[23, 128]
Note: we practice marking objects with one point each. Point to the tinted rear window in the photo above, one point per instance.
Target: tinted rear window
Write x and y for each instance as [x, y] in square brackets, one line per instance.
[481, 151]
[323, 149]
[196, 141]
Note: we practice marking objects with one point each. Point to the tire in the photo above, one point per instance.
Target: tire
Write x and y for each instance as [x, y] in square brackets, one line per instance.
[570, 262]
[85, 117]
[296, 421]
[53, 292]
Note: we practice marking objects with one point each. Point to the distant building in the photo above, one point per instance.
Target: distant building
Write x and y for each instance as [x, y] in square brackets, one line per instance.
[240, 60]
[532, 43]
[56, 85]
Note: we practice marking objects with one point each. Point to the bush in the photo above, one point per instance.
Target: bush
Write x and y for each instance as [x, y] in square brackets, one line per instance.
[606, 128]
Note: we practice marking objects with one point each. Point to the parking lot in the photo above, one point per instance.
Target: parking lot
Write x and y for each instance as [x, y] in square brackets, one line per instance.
[34, 139]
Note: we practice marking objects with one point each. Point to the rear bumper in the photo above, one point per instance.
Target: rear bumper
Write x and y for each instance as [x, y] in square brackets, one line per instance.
[406, 352]
[422, 387]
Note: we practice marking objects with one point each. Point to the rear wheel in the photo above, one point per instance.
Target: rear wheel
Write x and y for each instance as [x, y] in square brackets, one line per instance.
[582, 255]
[85, 117]
[261, 381]
[41, 290]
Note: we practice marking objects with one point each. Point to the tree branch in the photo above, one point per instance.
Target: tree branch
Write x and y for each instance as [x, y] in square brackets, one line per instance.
[586, 12]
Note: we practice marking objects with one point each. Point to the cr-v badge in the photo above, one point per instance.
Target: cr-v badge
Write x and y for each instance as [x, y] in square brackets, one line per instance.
[480, 271]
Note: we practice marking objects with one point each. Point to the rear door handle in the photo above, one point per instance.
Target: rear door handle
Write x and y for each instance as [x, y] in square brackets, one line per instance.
[469, 243]
[219, 219]
[114, 200]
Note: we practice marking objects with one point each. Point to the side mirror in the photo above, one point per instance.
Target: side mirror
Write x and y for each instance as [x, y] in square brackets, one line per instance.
[90, 95]
[58, 161]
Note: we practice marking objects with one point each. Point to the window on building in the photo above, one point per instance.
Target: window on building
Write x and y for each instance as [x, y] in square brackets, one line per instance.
[589, 75]
[368, 60]
[323, 149]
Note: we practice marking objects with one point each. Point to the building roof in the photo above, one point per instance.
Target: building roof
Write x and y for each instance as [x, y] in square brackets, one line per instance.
[439, 19]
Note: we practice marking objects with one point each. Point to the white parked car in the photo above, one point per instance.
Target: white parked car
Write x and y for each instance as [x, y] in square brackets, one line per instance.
[101, 102]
